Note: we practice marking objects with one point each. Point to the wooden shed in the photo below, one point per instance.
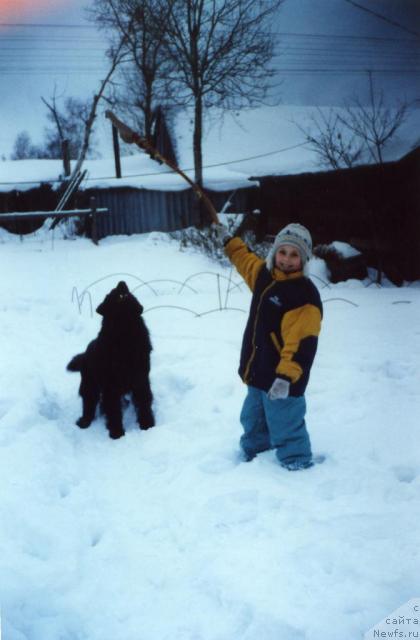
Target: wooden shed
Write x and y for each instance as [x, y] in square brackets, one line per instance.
[376, 208]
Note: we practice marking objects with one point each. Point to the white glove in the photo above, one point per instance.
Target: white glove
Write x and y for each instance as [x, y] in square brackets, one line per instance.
[221, 232]
[279, 389]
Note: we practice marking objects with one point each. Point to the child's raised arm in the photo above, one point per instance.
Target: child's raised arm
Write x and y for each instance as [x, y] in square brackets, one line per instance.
[246, 262]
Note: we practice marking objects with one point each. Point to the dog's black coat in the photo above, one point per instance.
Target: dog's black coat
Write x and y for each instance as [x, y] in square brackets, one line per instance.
[116, 363]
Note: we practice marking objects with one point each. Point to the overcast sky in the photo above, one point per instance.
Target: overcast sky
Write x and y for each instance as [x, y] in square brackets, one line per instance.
[324, 50]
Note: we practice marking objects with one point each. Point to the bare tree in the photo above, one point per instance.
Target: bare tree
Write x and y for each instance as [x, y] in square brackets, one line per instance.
[68, 127]
[356, 132]
[23, 147]
[143, 82]
[116, 55]
[375, 123]
[203, 52]
[221, 50]
[327, 137]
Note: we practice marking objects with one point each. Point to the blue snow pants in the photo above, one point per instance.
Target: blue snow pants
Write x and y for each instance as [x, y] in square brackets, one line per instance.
[275, 424]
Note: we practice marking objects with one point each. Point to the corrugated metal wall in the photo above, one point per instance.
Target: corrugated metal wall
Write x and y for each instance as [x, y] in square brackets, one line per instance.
[141, 210]
[130, 210]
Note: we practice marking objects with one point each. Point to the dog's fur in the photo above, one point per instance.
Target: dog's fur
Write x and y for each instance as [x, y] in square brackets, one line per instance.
[116, 363]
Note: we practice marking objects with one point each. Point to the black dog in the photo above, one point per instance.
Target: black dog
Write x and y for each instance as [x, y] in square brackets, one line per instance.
[116, 363]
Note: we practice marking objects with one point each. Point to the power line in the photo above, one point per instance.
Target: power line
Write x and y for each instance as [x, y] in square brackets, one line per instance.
[45, 57]
[347, 55]
[309, 54]
[382, 17]
[348, 42]
[284, 48]
[390, 48]
[363, 60]
[66, 39]
[297, 56]
[160, 173]
[301, 72]
[47, 25]
[318, 60]
[332, 36]
[318, 56]
[278, 34]
[290, 70]
[35, 71]
[341, 71]
[56, 49]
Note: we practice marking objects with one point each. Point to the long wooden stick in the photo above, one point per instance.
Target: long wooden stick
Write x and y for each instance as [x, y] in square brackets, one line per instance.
[131, 137]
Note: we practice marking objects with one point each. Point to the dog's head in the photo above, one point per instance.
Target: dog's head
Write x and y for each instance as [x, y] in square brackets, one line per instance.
[120, 303]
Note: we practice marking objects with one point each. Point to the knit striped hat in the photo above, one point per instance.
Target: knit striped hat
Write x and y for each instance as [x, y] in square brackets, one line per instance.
[298, 236]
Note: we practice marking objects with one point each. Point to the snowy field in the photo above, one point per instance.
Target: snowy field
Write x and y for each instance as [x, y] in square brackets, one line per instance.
[164, 534]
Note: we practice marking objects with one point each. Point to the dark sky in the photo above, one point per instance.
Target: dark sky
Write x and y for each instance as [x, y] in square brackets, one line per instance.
[342, 42]
[324, 51]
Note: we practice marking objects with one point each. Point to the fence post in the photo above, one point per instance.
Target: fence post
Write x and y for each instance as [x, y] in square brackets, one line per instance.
[94, 232]
[66, 157]
[116, 144]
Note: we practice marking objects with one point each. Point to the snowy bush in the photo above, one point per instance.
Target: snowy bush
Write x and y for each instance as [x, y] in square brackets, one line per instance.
[203, 240]
[206, 240]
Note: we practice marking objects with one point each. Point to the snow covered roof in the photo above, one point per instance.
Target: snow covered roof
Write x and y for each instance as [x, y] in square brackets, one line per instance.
[236, 146]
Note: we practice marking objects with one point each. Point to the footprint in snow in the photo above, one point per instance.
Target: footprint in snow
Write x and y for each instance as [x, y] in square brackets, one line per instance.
[4, 409]
[66, 484]
[172, 384]
[96, 538]
[397, 370]
[48, 406]
[214, 465]
[405, 474]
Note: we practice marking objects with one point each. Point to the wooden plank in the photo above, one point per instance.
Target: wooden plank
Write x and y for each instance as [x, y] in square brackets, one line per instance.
[27, 215]
[72, 186]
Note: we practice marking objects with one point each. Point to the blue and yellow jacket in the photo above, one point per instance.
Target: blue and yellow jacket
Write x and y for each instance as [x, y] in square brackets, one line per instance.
[281, 336]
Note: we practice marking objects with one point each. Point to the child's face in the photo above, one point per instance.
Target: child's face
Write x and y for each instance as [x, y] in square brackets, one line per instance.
[288, 259]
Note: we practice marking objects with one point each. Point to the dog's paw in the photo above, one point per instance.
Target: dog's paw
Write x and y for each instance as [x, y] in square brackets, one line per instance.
[83, 423]
[115, 435]
[147, 424]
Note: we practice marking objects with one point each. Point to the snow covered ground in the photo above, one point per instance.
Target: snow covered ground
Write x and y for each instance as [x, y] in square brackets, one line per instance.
[164, 535]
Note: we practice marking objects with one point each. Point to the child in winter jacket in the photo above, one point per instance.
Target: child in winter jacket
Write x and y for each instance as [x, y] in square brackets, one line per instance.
[279, 345]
